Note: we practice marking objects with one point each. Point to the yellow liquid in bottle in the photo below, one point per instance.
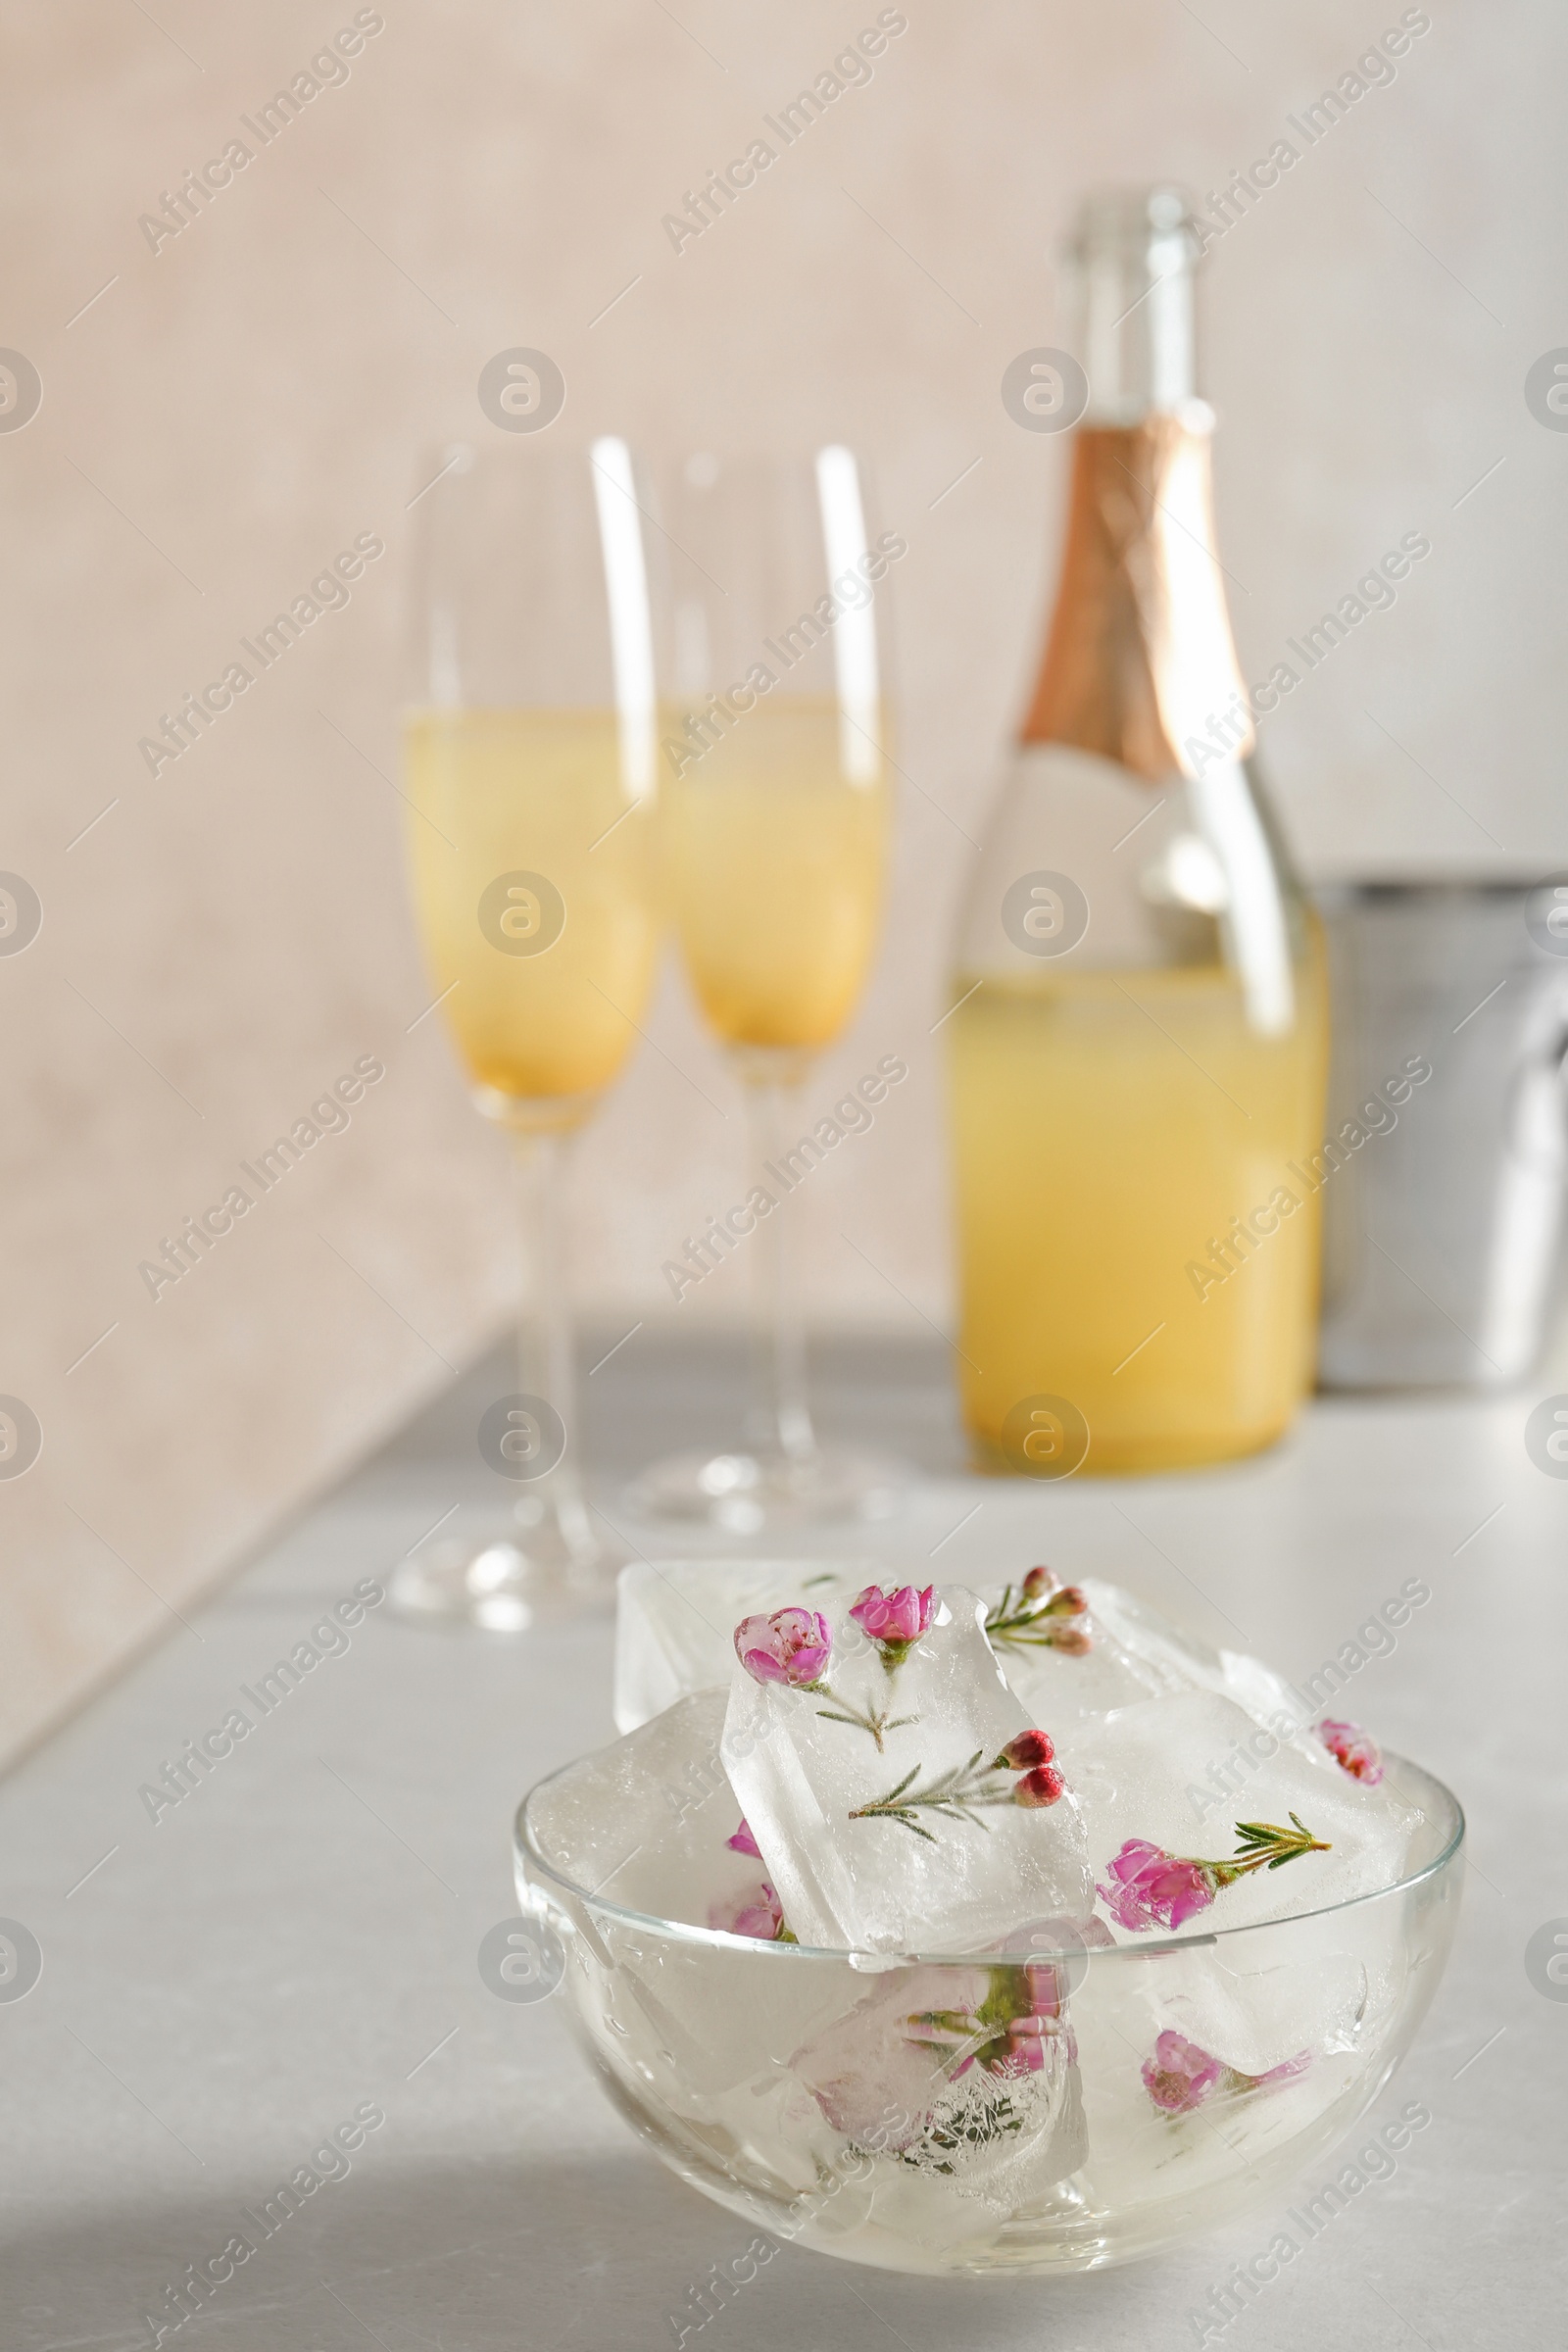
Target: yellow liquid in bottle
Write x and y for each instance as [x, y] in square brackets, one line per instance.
[537, 792]
[1108, 1128]
[774, 859]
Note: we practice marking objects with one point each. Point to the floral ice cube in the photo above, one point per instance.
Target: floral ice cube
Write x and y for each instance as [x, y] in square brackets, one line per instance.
[1197, 1817]
[1064, 1651]
[899, 1795]
[648, 1822]
[673, 1620]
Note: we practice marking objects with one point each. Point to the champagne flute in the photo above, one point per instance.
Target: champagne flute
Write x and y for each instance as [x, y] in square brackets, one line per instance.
[774, 818]
[529, 759]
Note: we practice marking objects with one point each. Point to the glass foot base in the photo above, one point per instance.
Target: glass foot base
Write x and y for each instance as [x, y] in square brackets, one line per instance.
[746, 1493]
[510, 1584]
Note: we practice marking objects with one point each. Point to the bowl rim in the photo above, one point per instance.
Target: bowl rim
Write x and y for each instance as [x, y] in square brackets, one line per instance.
[527, 1854]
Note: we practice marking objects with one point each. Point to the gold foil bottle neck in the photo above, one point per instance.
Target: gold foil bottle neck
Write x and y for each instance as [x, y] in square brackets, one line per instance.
[1140, 659]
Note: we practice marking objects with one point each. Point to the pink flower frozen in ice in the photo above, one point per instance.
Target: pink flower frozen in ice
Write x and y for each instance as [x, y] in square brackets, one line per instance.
[1042, 1585]
[1032, 1752]
[1353, 1751]
[1034, 2039]
[1151, 1888]
[756, 1912]
[1027, 1749]
[792, 1645]
[895, 1621]
[1180, 2076]
[878, 2071]
[1071, 1642]
[1047, 1983]
[743, 1842]
[1024, 2015]
[1020, 2028]
[1044, 1614]
[956, 2037]
[1029, 2044]
[997, 2034]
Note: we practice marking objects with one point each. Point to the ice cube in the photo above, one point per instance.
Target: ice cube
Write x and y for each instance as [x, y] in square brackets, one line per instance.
[1135, 1653]
[870, 1771]
[1167, 1789]
[1276, 1704]
[675, 1619]
[959, 2072]
[1063, 1650]
[645, 1822]
[1180, 1660]
[881, 2067]
[1172, 2090]
[1256, 2013]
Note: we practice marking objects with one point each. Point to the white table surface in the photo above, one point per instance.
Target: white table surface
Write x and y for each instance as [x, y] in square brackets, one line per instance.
[299, 1936]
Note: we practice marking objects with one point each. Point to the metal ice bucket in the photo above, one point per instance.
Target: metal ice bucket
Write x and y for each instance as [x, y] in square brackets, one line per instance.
[1444, 1203]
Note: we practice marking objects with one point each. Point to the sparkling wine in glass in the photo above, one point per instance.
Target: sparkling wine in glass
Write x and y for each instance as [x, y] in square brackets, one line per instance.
[775, 812]
[531, 769]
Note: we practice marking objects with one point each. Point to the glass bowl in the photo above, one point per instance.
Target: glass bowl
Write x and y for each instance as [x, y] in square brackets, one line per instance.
[855, 2103]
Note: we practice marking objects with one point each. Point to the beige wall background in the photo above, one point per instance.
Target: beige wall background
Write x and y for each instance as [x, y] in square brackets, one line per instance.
[220, 416]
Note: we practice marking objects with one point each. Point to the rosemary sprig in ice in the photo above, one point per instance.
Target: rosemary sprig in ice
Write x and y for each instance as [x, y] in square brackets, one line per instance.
[960, 1792]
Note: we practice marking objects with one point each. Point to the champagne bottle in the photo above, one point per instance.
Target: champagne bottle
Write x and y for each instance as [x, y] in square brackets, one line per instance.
[1139, 1026]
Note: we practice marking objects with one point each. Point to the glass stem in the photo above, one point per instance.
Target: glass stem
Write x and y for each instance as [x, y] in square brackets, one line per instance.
[552, 1505]
[781, 1415]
